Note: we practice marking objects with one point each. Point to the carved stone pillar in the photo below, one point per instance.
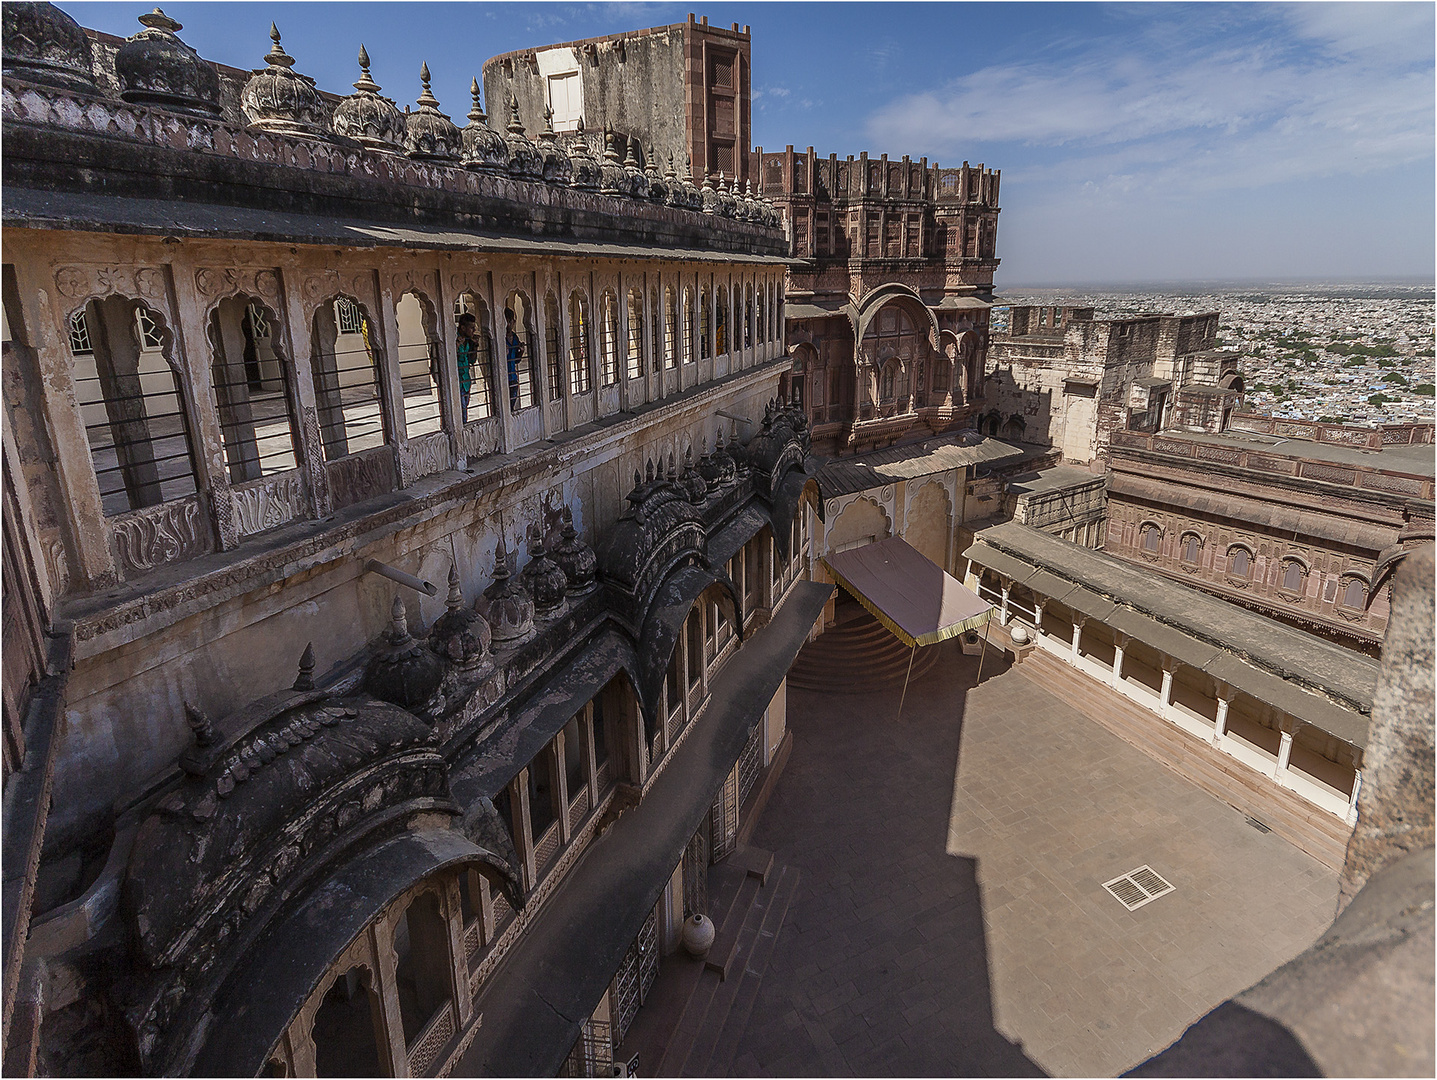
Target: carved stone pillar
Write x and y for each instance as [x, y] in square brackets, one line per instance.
[1120, 644]
[1079, 621]
[559, 785]
[1224, 700]
[523, 827]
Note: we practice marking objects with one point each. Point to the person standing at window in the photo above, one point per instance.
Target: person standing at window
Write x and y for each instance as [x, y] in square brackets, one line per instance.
[468, 345]
[514, 350]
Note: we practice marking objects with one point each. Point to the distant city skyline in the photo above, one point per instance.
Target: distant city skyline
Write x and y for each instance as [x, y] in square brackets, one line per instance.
[1152, 143]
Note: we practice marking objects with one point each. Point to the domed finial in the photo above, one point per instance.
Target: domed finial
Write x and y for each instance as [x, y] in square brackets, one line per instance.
[426, 98]
[200, 725]
[276, 55]
[548, 120]
[476, 110]
[580, 127]
[158, 20]
[669, 174]
[456, 596]
[398, 620]
[365, 83]
[363, 58]
[515, 127]
[305, 679]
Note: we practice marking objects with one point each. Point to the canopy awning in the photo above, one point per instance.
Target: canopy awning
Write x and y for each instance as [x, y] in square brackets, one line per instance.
[919, 602]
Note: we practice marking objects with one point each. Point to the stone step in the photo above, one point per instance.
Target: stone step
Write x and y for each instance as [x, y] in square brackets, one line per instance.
[724, 951]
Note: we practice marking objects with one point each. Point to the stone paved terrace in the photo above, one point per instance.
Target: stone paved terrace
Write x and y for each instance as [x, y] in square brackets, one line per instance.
[950, 918]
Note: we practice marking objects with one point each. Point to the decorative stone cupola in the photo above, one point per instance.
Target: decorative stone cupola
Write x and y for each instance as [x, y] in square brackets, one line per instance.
[658, 188]
[709, 197]
[524, 160]
[638, 182]
[727, 204]
[545, 580]
[156, 68]
[429, 134]
[613, 177]
[366, 116]
[557, 166]
[586, 174]
[506, 605]
[403, 672]
[484, 149]
[575, 558]
[461, 635]
[279, 100]
[42, 44]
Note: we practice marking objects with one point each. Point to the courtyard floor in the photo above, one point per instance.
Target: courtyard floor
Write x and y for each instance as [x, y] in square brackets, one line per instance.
[950, 917]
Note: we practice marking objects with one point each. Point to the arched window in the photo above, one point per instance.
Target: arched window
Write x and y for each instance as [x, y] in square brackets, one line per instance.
[132, 403]
[656, 335]
[609, 339]
[1192, 548]
[251, 382]
[888, 381]
[1353, 595]
[1293, 575]
[705, 318]
[554, 355]
[1152, 539]
[474, 356]
[580, 373]
[419, 374]
[671, 328]
[520, 362]
[345, 368]
[345, 1027]
[721, 321]
[423, 972]
[1239, 562]
[687, 314]
[635, 367]
[760, 313]
[941, 375]
[748, 316]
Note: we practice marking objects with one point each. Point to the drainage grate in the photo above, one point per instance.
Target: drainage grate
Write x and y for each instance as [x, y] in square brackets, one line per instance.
[1138, 887]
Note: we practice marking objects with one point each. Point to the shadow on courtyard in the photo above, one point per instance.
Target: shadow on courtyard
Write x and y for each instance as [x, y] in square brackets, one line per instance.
[881, 967]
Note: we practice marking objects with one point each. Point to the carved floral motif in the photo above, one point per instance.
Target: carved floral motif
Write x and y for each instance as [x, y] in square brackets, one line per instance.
[171, 532]
[268, 503]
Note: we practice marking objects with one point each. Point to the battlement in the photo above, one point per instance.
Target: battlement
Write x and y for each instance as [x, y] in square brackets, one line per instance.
[806, 173]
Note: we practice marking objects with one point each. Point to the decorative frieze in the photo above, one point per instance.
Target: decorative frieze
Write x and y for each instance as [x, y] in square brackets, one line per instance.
[269, 503]
[168, 533]
[427, 454]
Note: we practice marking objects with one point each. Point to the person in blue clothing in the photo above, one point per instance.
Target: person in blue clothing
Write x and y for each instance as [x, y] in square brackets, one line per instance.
[514, 351]
[468, 346]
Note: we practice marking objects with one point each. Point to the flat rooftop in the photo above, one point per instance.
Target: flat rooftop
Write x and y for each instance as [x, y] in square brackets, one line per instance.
[1057, 478]
[845, 475]
[1417, 460]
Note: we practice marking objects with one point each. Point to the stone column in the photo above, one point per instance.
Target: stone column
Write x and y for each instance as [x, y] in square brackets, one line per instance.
[391, 390]
[559, 785]
[1166, 701]
[386, 990]
[1003, 587]
[446, 340]
[1284, 748]
[591, 760]
[523, 829]
[310, 446]
[1120, 642]
[1079, 621]
[1224, 699]
[1038, 604]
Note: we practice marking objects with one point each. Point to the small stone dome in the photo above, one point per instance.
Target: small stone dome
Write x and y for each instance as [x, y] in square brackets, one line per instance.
[42, 44]
[429, 135]
[279, 100]
[484, 149]
[693, 196]
[736, 451]
[575, 558]
[506, 605]
[367, 117]
[727, 204]
[724, 463]
[658, 188]
[638, 182]
[673, 192]
[157, 68]
[613, 177]
[403, 672]
[557, 166]
[545, 580]
[586, 173]
[693, 485]
[709, 195]
[524, 160]
[460, 635]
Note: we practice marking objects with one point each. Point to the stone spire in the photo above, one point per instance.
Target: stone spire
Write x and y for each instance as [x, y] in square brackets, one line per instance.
[280, 100]
[586, 173]
[558, 168]
[524, 160]
[484, 149]
[429, 134]
[368, 117]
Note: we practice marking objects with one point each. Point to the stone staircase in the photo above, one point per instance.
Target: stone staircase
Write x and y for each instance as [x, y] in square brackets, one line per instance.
[711, 1000]
[1321, 834]
[855, 655]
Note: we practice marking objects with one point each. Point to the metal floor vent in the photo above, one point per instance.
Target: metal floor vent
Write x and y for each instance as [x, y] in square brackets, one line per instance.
[1138, 887]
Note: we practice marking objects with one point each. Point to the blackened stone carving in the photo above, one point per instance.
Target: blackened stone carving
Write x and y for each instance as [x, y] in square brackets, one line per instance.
[42, 44]
[575, 558]
[156, 68]
[693, 198]
[709, 195]
[692, 483]
[544, 579]
[461, 635]
[658, 189]
[613, 177]
[660, 529]
[723, 463]
[429, 134]
[403, 672]
[638, 183]
[506, 604]
[587, 173]
[524, 160]
[366, 116]
[484, 149]
[727, 204]
[280, 100]
[557, 166]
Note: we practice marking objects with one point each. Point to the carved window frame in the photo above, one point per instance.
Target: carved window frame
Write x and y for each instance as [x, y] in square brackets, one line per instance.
[1245, 577]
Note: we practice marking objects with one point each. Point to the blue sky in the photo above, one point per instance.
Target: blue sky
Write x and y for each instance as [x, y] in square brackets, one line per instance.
[1138, 142]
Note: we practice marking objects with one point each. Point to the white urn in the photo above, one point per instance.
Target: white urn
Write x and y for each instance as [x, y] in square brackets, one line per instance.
[1019, 633]
[698, 936]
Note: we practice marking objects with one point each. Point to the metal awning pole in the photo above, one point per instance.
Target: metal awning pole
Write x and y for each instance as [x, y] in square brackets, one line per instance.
[984, 651]
[911, 654]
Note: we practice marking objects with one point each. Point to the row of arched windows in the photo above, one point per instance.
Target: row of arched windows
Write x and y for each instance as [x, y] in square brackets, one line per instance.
[1351, 591]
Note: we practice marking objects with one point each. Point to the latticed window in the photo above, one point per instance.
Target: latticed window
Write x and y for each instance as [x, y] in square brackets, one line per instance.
[748, 317]
[940, 376]
[151, 338]
[1192, 547]
[348, 316]
[1293, 573]
[80, 335]
[609, 339]
[688, 319]
[1354, 594]
[888, 381]
[671, 337]
[657, 330]
[761, 309]
[635, 367]
[553, 355]
[579, 369]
